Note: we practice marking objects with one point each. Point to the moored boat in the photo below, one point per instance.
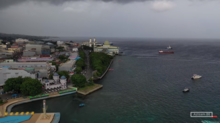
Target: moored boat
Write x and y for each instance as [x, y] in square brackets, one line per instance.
[169, 47]
[81, 105]
[195, 76]
[161, 51]
[186, 90]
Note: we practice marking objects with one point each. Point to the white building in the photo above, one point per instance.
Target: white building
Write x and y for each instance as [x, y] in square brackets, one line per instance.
[44, 68]
[90, 42]
[75, 49]
[54, 83]
[60, 43]
[19, 40]
[6, 73]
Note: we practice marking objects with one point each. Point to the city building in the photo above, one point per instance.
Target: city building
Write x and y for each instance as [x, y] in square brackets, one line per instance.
[40, 49]
[75, 49]
[54, 83]
[59, 43]
[19, 40]
[107, 48]
[3, 46]
[7, 72]
[43, 68]
[35, 59]
[90, 42]
[16, 49]
[29, 53]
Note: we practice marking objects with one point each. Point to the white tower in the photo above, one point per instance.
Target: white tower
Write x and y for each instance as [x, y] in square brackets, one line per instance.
[63, 82]
[94, 40]
[56, 78]
[47, 85]
[90, 40]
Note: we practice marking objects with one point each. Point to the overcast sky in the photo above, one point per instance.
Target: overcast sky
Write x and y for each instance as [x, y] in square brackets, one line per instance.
[112, 18]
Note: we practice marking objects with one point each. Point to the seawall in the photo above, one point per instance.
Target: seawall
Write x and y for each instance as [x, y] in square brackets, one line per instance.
[18, 103]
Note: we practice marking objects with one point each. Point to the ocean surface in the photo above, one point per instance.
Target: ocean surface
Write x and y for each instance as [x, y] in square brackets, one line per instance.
[146, 87]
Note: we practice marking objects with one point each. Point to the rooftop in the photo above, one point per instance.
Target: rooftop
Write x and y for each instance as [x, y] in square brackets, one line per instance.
[106, 43]
[55, 74]
[63, 77]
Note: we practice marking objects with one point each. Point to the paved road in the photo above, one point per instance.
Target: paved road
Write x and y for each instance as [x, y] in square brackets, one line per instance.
[88, 66]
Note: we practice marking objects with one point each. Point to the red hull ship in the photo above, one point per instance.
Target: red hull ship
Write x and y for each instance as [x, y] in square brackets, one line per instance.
[166, 51]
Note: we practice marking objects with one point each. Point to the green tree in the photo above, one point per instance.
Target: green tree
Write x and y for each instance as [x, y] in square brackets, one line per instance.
[90, 82]
[31, 87]
[82, 54]
[13, 84]
[80, 63]
[100, 62]
[78, 80]
[62, 57]
[78, 70]
[1, 101]
[53, 62]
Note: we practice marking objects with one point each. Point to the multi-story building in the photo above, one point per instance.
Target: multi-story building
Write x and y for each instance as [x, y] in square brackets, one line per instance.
[35, 59]
[40, 49]
[7, 72]
[29, 53]
[43, 68]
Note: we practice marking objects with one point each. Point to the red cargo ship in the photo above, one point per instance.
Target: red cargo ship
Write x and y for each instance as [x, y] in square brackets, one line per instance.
[161, 51]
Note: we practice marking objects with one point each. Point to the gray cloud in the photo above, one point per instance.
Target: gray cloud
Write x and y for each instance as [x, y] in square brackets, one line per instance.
[7, 3]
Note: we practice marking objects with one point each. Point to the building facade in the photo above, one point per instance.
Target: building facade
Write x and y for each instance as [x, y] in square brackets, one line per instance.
[54, 83]
[43, 68]
[19, 40]
[40, 49]
[107, 48]
[6, 73]
[90, 42]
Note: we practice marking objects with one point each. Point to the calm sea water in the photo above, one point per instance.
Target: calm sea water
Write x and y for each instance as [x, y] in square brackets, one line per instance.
[146, 87]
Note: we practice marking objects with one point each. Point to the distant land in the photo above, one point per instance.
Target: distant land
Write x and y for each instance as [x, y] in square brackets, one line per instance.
[10, 37]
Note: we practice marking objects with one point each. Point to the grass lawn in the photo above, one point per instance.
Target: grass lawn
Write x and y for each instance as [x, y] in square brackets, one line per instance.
[89, 88]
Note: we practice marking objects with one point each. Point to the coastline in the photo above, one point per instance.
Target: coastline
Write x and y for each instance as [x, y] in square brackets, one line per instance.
[5, 109]
[90, 89]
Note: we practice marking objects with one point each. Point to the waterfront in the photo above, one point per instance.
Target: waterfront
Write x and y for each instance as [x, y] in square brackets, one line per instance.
[146, 87]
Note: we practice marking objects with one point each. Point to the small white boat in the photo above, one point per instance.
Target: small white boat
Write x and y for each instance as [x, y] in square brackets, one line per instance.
[195, 76]
[169, 47]
[186, 90]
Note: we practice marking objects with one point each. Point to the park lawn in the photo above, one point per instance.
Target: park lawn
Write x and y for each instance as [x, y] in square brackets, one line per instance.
[89, 88]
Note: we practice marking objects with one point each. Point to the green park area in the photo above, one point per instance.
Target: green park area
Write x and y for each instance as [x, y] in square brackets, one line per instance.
[27, 86]
[100, 62]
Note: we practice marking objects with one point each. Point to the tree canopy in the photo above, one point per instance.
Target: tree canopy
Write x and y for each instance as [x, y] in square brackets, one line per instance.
[82, 54]
[78, 70]
[13, 84]
[80, 63]
[100, 61]
[78, 80]
[63, 57]
[31, 87]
